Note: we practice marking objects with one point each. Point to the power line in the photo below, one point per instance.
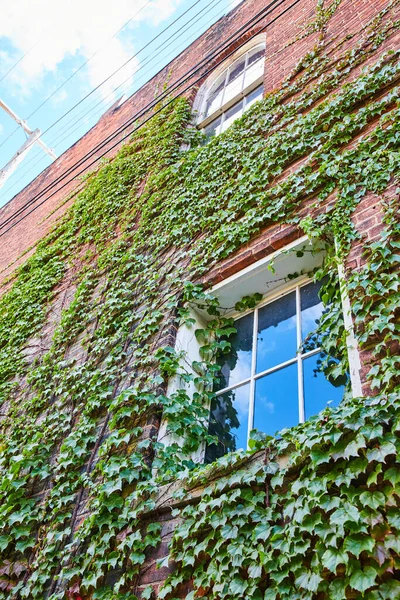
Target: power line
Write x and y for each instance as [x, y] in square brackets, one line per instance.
[251, 23]
[122, 66]
[19, 60]
[149, 59]
[88, 60]
[74, 73]
[246, 27]
[96, 103]
[27, 52]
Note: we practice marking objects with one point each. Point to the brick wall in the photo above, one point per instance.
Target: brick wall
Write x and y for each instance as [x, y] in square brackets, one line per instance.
[283, 53]
[41, 203]
[45, 195]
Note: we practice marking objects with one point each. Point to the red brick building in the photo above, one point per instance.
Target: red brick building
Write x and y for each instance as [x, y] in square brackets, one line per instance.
[305, 178]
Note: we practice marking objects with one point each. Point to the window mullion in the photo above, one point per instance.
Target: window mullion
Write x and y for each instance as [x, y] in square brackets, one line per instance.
[275, 368]
[299, 358]
[246, 61]
[225, 84]
[253, 372]
[232, 387]
[222, 123]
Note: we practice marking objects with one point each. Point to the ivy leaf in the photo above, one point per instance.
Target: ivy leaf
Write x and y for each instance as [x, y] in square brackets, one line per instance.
[4, 541]
[255, 571]
[381, 554]
[344, 514]
[357, 543]
[332, 557]
[393, 476]
[381, 452]
[393, 542]
[349, 449]
[362, 580]
[320, 456]
[393, 517]
[309, 581]
[373, 478]
[337, 589]
[387, 591]
[22, 545]
[148, 592]
[162, 562]
[238, 586]
[229, 532]
[270, 594]
[372, 499]
[262, 531]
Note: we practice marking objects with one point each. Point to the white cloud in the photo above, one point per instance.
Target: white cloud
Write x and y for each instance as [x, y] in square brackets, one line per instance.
[50, 31]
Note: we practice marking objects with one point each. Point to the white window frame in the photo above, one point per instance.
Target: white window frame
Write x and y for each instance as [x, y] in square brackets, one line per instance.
[203, 93]
[298, 359]
[186, 340]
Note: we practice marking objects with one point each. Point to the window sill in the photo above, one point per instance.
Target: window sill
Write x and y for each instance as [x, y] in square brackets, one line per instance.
[178, 494]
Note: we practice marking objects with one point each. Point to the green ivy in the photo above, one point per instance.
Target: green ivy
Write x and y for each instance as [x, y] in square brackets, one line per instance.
[80, 464]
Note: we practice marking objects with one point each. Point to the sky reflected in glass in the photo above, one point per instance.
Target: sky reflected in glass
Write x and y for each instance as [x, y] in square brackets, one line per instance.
[276, 402]
[276, 394]
[276, 339]
[318, 391]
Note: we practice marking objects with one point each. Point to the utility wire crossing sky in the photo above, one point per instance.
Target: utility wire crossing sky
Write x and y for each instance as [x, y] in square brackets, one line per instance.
[62, 72]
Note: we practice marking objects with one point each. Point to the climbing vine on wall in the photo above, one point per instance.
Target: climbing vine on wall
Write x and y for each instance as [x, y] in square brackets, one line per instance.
[80, 463]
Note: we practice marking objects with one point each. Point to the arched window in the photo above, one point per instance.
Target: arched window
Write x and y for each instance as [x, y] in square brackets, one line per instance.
[231, 90]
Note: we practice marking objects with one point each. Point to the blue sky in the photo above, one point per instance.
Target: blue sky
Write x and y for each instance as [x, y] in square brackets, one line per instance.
[42, 44]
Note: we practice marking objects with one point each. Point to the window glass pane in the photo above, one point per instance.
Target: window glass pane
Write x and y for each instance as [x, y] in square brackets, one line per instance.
[255, 95]
[232, 114]
[318, 391]
[255, 55]
[214, 99]
[236, 366]
[212, 128]
[276, 339]
[311, 311]
[235, 79]
[255, 67]
[276, 402]
[229, 421]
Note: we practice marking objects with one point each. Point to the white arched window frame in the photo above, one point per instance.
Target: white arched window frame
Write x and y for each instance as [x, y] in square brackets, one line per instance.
[301, 256]
[232, 88]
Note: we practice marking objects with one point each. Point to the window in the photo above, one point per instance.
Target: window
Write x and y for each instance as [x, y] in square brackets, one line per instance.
[271, 379]
[266, 382]
[223, 99]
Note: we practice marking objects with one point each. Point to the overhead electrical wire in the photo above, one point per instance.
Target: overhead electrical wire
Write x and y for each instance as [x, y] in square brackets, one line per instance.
[97, 103]
[72, 74]
[105, 80]
[135, 116]
[87, 61]
[39, 39]
[176, 84]
[19, 61]
[121, 67]
[156, 50]
[184, 78]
